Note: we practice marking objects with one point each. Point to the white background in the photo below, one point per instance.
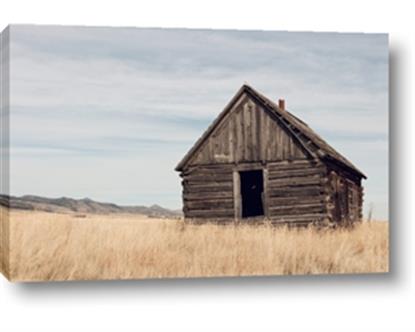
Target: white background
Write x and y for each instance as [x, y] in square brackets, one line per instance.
[321, 303]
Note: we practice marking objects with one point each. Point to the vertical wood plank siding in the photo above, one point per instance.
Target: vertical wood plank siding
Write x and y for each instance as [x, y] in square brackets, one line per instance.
[248, 134]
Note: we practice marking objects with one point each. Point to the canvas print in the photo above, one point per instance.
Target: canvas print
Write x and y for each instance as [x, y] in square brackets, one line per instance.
[131, 153]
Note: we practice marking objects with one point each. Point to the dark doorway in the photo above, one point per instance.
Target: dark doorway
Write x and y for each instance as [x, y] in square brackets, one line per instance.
[252, 187]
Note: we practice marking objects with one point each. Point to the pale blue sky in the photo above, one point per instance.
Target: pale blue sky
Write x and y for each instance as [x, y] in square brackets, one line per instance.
[107, 113]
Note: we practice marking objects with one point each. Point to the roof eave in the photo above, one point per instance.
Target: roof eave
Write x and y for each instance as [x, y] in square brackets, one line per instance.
[349, 168]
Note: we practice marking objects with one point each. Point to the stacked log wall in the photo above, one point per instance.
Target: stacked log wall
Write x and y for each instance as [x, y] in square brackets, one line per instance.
[208, 192]
[346, 197]
[297, 192]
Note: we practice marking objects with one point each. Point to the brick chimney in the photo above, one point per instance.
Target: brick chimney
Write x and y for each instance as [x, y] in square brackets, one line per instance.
[281, 104]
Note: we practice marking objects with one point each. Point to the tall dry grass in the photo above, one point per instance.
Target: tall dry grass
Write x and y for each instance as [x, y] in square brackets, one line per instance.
[46, 246]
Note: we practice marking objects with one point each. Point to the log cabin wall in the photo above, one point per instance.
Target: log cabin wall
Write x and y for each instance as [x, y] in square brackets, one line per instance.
[345, 197]
[297, 192]
[294, 191]
[208, 192]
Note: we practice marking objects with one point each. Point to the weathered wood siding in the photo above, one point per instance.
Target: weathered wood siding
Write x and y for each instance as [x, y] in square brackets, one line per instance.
[248, 134]
[208, 192]
[296, 192]
[346, 198]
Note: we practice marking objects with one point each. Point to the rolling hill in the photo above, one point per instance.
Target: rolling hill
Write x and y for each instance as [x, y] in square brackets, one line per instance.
[85, 205]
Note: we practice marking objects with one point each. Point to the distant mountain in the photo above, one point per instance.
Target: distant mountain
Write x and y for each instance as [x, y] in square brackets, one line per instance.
[85, 205]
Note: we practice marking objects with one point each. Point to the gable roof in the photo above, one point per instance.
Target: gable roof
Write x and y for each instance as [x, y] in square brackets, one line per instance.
[308, 139]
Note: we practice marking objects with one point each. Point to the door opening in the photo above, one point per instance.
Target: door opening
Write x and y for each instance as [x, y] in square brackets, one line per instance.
[252, 188]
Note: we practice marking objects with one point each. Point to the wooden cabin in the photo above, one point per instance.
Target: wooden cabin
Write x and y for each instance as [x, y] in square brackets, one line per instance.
[258, 161]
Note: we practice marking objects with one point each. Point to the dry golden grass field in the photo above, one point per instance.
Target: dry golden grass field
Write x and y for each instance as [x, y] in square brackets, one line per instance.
[47, 246]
